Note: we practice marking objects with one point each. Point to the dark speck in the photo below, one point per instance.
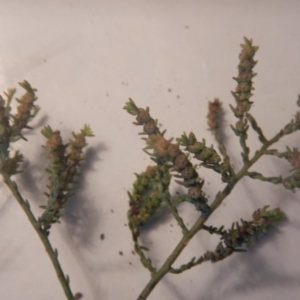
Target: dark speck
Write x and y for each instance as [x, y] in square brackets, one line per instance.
[78, 296]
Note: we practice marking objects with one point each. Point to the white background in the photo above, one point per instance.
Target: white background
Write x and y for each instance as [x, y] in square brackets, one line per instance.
[86, 58]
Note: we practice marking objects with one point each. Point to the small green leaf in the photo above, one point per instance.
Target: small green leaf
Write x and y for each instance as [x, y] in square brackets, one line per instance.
[87, 131]
[144, 248]
[131, 108]
[25, 85]
[47, 132]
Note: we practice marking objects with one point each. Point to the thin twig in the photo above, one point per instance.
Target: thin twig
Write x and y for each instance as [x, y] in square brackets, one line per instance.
[53, 254]
[174, 212]
[138, 249]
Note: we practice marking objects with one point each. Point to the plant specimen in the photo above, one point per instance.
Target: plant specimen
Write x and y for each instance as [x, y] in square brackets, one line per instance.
[173, 159]
[64, 158]
[151, 190]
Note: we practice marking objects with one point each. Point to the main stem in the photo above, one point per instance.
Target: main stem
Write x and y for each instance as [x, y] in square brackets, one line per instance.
[64, 281]
[156, 277]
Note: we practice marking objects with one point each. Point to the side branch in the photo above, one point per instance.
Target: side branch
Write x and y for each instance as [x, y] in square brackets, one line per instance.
[52, 253]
